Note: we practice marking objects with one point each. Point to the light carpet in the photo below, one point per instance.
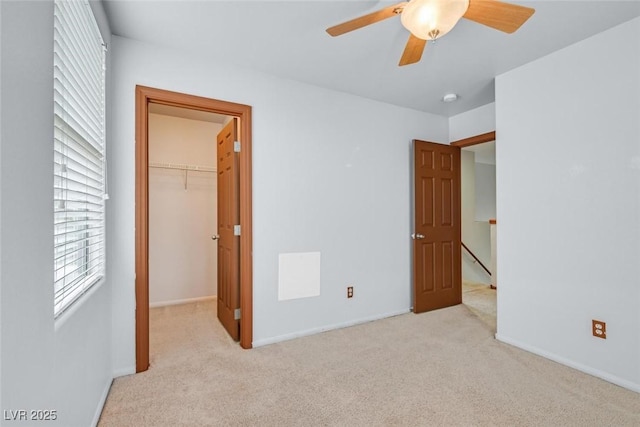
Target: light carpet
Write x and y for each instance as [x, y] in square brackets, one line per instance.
[481, 300]
[441, 368]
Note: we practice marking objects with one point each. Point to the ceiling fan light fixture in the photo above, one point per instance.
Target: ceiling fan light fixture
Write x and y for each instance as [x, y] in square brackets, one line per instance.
[432, 19]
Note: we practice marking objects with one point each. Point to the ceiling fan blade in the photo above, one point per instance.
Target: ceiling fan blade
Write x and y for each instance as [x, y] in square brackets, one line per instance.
[365, 20]
[413, 50]
[502, 16]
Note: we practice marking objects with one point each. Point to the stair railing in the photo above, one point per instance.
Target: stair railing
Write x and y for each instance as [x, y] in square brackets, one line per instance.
[476, 258]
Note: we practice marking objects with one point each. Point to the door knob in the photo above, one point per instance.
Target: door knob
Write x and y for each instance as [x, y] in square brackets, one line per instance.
[215, 237]
[417, 236]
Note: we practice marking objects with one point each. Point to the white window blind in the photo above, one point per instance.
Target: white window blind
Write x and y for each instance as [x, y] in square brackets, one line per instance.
[79, 153]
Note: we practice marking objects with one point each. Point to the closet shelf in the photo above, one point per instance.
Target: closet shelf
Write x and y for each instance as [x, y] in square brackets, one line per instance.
[181, 167]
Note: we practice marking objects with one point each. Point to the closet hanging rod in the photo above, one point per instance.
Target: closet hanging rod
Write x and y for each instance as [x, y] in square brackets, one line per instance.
[181, 167]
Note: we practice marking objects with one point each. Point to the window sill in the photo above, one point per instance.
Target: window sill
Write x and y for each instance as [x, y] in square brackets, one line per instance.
[77, 304]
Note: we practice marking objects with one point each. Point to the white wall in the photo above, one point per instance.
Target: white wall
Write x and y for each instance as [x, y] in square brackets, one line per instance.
[64, 364]
[485, 178]
[182, 256]
[1, 80]
[471, 123]
[568, 151]
[1, 139]
[475, 234]
[331, 173]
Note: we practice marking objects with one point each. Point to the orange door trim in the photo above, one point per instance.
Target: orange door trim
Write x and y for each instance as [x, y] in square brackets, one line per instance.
[145, 96]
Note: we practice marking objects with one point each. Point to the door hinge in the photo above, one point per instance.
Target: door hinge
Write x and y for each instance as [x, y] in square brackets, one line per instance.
[236, 314]
[236, 230]
[236, 146]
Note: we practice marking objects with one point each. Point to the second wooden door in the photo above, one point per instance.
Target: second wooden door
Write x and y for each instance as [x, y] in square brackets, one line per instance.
[228, 230]
[437, 258]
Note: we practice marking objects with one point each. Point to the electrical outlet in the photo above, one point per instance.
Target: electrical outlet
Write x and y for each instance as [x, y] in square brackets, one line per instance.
[599, 329]
[349, 291]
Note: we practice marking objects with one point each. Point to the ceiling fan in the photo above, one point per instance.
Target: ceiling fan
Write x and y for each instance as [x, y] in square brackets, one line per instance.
[432, 19]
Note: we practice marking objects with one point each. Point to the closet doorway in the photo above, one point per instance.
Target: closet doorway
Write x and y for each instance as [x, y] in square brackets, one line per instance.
[182, 204]
[177, 217]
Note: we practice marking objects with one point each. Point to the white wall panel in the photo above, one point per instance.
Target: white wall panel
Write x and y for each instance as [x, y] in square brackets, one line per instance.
[63, 364]
[568, 186]
[298, 275]
[485, 176]
[475, 234]
[471, 123]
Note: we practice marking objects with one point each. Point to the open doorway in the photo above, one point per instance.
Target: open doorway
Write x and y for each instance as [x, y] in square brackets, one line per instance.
[150, 98]
[478, 205]
[183, 224]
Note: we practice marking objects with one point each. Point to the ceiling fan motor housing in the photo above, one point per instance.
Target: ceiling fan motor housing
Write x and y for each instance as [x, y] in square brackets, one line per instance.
[431, 19]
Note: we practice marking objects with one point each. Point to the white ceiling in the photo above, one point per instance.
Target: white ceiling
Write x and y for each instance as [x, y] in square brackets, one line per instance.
[288, 39]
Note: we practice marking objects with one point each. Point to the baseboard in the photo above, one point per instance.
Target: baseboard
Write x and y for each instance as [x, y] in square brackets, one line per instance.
[103, 400]
[124, 371]
[570, 363]
[180, 301]
[313, 331]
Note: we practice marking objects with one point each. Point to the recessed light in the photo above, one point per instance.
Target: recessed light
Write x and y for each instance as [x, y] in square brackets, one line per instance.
[450, 97]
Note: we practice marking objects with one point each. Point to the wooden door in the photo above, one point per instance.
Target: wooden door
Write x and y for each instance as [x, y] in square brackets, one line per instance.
[437, 268]
[228, 230]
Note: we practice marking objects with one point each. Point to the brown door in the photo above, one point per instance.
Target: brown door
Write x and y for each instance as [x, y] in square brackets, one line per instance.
[228, 230]
[437, 268]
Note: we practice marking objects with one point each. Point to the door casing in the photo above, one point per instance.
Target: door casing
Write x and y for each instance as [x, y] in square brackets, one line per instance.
[475, 140]
[145, 96]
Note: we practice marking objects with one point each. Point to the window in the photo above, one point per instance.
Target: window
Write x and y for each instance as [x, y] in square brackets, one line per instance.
[79, 152]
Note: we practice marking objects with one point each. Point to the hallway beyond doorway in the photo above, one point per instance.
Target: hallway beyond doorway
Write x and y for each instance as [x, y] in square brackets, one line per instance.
[480, 299]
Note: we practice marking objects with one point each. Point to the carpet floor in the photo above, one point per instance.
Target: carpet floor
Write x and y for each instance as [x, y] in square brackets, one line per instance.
[441, 368]
[481, 300]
